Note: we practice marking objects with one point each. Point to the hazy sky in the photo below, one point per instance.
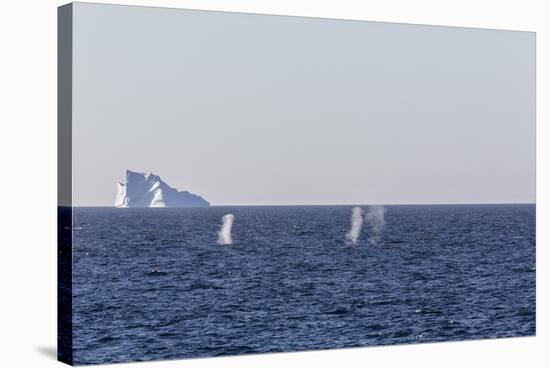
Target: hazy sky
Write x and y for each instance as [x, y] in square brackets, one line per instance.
[254, 109]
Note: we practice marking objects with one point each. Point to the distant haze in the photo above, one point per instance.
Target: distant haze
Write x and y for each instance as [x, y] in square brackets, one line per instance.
[251, 109]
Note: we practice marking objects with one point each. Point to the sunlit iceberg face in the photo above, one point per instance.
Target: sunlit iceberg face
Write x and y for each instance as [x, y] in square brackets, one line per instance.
[149, 190]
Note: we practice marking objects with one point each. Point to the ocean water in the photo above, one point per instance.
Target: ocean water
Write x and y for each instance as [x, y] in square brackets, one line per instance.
[154, 284]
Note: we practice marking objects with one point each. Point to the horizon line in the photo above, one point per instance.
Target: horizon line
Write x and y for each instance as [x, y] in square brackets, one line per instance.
[327, 205]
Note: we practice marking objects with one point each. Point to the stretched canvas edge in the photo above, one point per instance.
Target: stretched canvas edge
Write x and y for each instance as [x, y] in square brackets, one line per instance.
[64, 183]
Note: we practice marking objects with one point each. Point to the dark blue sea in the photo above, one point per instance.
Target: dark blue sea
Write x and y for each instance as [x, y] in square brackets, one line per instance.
[153, 283]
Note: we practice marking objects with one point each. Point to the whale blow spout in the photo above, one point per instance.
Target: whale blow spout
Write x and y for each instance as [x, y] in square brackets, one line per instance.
[352, 236]
[375, 219]
[224, 234]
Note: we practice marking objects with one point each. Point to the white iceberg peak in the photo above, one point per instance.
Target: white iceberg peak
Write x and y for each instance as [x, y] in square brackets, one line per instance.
[148, 190]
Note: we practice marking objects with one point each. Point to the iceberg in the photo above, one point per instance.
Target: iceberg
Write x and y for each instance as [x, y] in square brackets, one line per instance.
[149, 190]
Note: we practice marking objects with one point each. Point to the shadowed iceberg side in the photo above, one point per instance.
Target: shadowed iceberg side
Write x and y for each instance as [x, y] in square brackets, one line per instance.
[148, 190]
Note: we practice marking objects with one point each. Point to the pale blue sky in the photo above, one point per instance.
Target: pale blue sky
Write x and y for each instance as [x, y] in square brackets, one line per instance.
[253, 109]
